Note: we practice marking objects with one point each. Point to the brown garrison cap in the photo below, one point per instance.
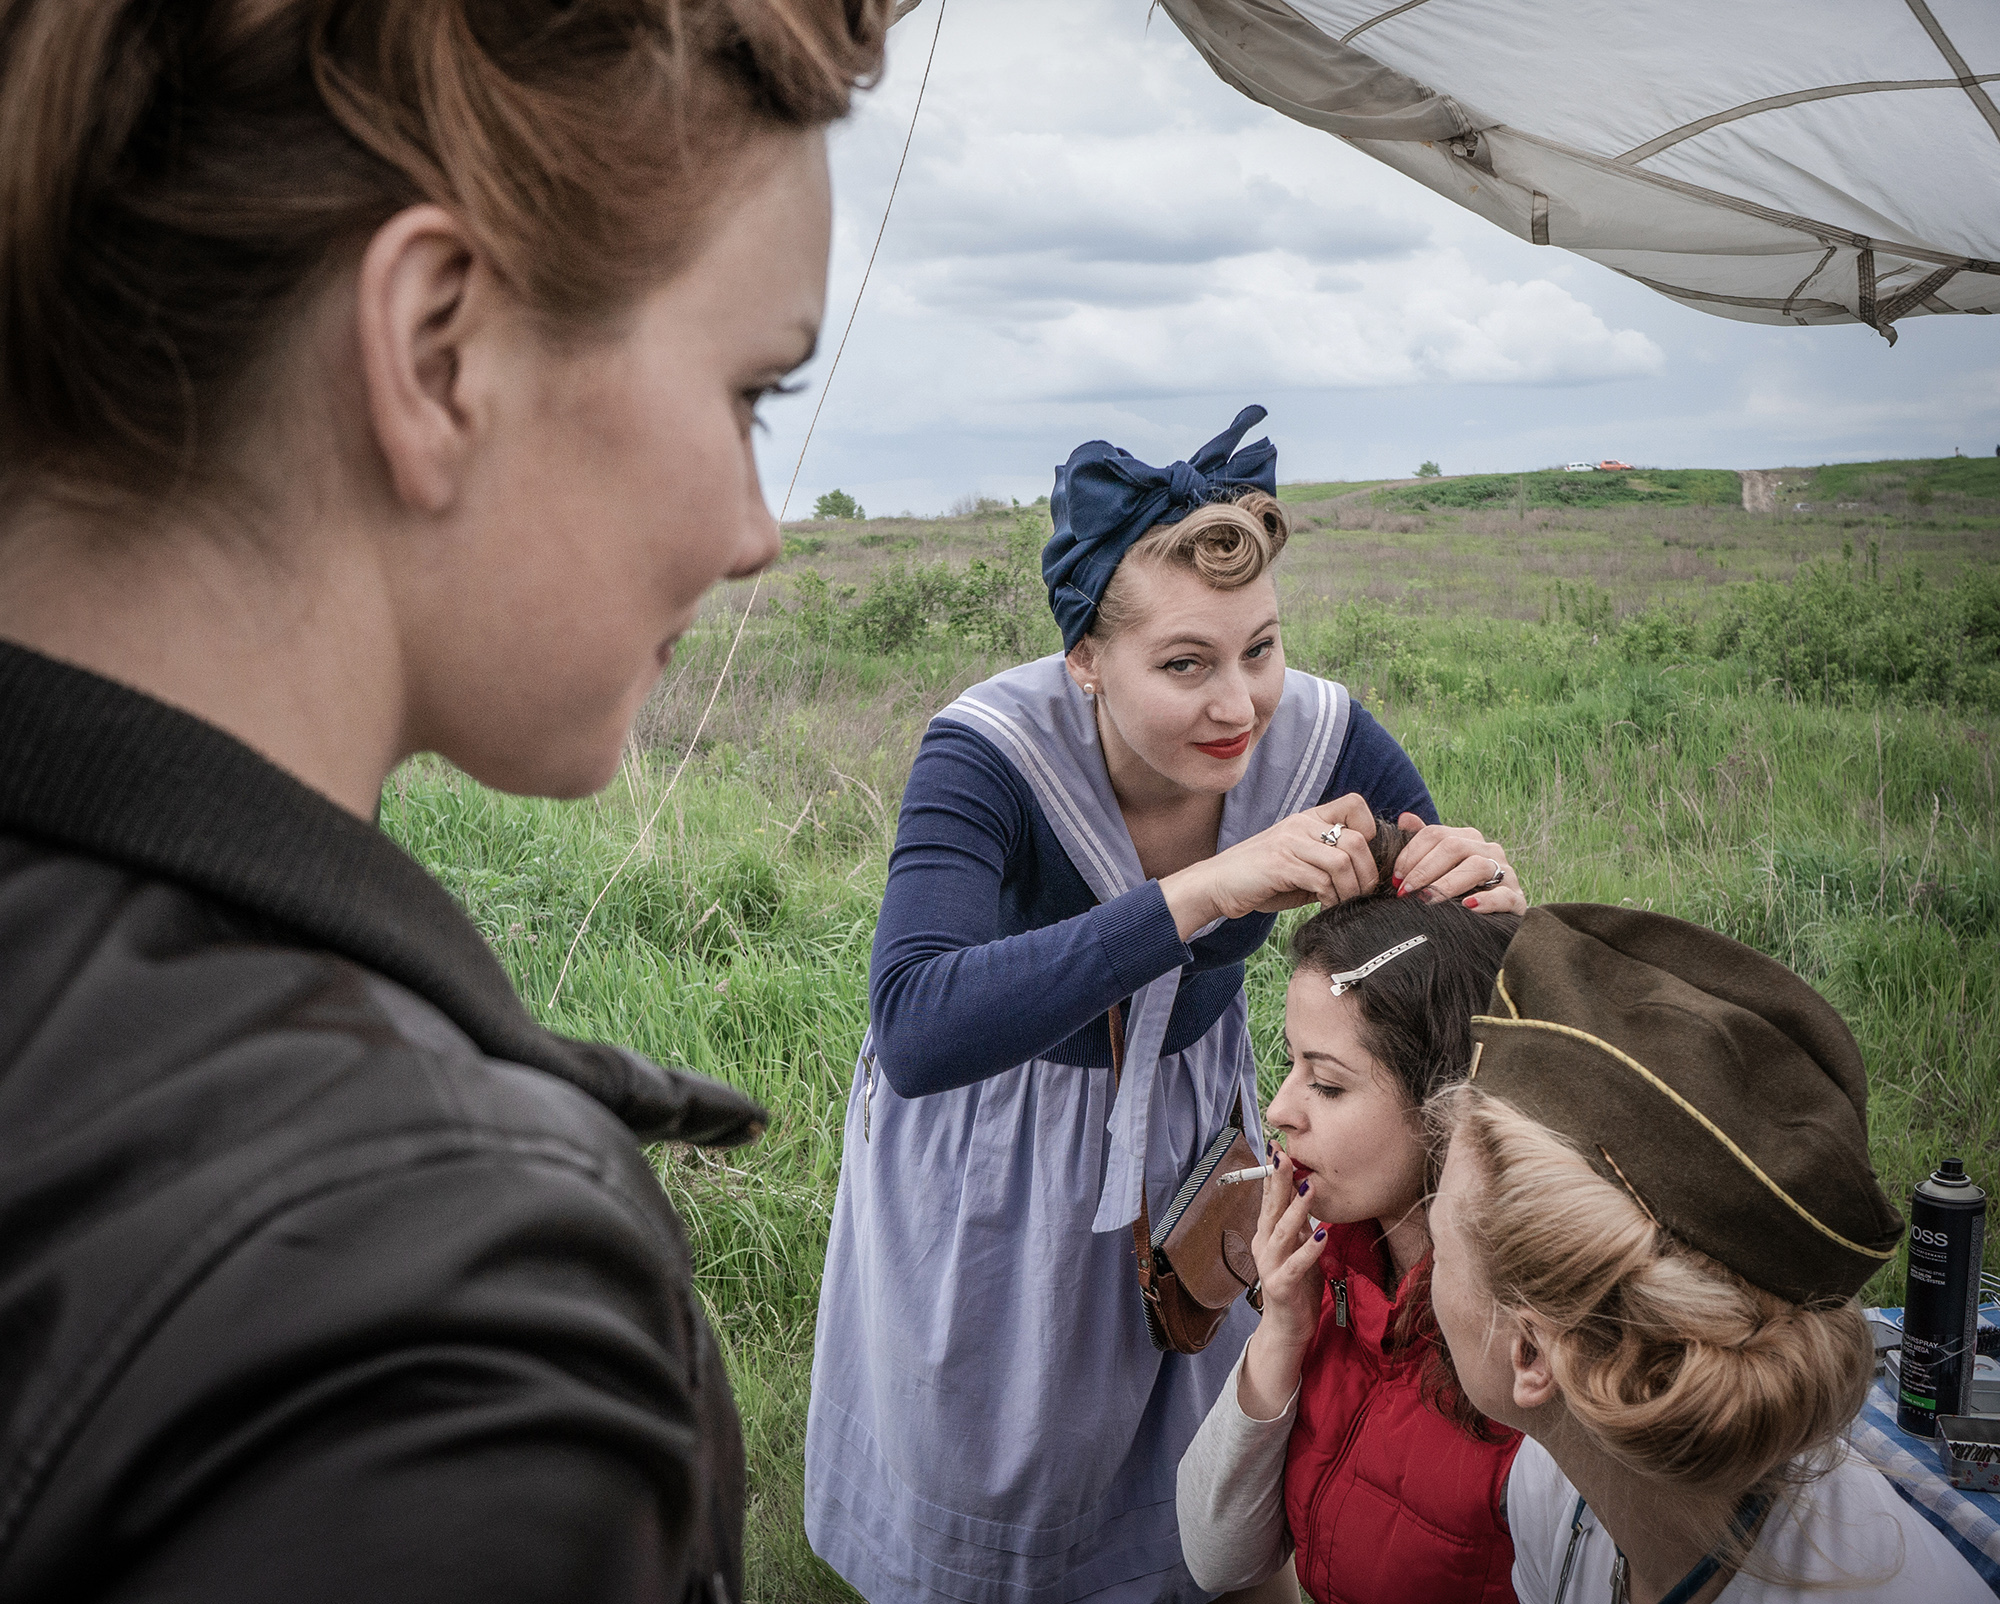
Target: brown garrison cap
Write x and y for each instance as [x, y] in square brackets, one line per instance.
[1708, 1080]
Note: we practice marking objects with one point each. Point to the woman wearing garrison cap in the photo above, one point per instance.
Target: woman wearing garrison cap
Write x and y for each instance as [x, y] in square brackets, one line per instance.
[1116, 825]
[1654, 1216]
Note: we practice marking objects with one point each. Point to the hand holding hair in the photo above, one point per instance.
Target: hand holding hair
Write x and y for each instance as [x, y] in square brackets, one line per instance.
[1441, 860]
[1319, 855]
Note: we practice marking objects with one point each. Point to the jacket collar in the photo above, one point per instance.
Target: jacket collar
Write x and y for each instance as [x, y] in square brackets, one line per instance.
[1359, 1255]
[103, 770]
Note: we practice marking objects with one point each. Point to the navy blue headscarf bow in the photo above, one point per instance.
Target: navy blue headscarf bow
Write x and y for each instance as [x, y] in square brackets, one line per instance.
[1106, 498]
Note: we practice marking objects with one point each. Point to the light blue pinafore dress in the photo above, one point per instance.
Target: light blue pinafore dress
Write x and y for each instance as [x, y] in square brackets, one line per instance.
[989, 1420]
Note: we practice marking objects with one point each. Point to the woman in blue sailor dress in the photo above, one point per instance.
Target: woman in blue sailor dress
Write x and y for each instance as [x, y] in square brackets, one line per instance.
[990, 1421]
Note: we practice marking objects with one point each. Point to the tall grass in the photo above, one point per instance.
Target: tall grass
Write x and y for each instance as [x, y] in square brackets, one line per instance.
[1849, 829]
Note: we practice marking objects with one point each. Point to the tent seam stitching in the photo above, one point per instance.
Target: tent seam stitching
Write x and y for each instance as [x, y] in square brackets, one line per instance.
[1380, 16]
[1794, 97]
[1979, 97]
[1805, 225]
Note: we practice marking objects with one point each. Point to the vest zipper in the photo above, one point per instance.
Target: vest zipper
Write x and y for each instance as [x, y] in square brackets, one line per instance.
[1340, 1302]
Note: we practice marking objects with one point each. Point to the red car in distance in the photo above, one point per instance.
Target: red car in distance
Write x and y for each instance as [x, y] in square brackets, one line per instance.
[1610, 465]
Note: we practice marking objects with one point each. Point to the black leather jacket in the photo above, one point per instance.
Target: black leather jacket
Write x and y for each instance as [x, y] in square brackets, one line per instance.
[325, 1273]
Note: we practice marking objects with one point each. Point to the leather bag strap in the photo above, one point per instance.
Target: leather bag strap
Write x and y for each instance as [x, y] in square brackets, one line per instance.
[1142, 1228]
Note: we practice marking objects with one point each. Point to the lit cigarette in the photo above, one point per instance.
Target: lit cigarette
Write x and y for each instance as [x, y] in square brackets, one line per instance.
[1255, 1174]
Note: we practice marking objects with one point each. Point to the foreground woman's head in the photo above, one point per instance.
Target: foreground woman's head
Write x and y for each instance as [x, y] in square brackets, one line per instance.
[1657, 1204]
[452, 316]
[1160, 580]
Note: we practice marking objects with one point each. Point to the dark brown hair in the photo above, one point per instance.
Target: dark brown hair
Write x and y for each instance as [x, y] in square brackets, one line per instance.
[1416, 1022]
[1416, 1013]
[176, 174]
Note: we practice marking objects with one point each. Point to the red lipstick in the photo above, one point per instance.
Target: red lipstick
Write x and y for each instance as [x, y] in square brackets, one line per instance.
[1225, 750]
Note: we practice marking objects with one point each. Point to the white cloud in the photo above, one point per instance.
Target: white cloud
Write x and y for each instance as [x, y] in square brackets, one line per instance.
[1276, 321]
[1095, 237]
[1089, 213]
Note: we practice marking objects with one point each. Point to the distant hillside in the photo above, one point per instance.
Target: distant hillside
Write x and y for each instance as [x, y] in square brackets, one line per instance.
[1898, 486]
[1974, 478]
[1657, 487]
[1330, 489]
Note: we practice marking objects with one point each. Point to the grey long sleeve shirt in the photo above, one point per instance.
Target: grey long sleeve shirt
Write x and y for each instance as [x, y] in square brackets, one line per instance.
[1230, 1493]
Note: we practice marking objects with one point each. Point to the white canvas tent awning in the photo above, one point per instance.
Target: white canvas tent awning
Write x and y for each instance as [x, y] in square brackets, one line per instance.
[1778, 161]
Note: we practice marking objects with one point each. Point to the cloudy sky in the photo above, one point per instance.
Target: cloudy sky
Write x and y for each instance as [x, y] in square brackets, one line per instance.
[1095, 237]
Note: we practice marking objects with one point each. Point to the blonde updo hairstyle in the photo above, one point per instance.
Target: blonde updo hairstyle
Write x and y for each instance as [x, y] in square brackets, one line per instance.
[1230, 544]
[1682, 1370]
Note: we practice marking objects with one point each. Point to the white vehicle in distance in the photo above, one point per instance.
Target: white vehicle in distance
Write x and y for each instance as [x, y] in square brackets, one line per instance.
[1579, 467]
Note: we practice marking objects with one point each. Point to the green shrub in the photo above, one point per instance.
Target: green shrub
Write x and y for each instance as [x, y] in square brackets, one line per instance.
[1661, 634]
[996, 604]
[896, 610]
[1582, 604]
[993, 607]
[1835, 635]
[814, 606]
[1649, 706]
[1001, 605]
[837, 504]
[1358, 632]
[1440, 682]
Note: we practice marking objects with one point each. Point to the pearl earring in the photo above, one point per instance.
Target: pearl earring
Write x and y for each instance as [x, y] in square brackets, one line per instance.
[1090, 690]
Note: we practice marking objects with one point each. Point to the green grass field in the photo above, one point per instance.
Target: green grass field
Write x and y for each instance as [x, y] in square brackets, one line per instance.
[1781, 725]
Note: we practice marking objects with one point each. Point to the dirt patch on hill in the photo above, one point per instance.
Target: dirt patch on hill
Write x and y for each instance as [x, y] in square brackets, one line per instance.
[1760, 488]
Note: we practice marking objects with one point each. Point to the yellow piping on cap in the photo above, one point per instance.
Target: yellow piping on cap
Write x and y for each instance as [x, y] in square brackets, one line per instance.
[1706, 1123]
[1500, 985]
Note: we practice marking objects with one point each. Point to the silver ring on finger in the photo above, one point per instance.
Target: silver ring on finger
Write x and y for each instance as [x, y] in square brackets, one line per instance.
[1332, 836]
[1499, 874]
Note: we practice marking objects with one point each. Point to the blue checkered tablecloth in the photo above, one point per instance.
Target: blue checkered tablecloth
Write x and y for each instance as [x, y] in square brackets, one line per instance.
[1970, 1520]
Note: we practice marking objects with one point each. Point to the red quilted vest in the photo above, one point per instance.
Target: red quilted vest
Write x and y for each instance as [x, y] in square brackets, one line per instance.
[1388, 1501]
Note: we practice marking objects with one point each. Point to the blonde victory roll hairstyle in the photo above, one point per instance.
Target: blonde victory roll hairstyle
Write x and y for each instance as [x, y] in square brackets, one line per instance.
[1230, 544]
[1681, 1369]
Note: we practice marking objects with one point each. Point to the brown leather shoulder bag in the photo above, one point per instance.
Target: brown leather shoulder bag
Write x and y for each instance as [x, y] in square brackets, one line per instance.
[1197, 1261]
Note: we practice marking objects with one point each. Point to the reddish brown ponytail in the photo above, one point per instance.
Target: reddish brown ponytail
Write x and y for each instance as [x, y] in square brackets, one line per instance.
[175, 174]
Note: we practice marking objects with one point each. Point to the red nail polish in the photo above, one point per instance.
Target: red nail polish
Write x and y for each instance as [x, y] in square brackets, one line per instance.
[1396, 880]
[1472, 902]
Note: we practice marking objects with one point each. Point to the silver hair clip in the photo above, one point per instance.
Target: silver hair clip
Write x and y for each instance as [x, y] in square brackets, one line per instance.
[1342, 982]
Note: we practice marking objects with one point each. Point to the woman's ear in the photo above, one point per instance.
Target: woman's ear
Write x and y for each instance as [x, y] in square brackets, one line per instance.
[414, 315]
[1081, 660]
[1534, 1383]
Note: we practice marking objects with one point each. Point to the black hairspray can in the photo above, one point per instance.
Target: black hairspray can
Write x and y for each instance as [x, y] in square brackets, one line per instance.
[1941, 1307]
